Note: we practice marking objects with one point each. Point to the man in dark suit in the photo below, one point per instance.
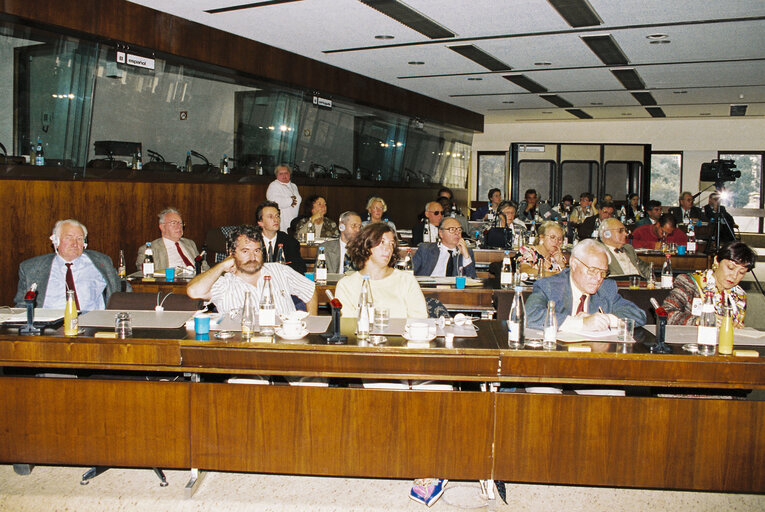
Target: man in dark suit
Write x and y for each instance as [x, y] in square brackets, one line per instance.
[624, 260]
[589, 228]
[268, 217]
[686, 212]
[652, 213]
[91, 274]
[584, 298]
[335, 250]
[427, 231]
[444, 259]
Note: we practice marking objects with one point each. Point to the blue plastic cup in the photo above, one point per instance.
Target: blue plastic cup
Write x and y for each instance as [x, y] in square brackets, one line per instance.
[202, 324]
[310, 275]
[170, 274]
[680, 250]
[460, 283]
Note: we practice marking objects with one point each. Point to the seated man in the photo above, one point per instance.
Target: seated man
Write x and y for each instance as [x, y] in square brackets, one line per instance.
[653, 212]
[171, 250]
[268, 217]
[502, 235]
[665, 230]
[445, 258]
[451, 210]
[686, 212]
[624, 260]
[89, 273]
[338, 261]
[243, 270]
[712, 211]
[583, 210]
[584, 298]
[589, 228]
[427, 231]
[531, 210]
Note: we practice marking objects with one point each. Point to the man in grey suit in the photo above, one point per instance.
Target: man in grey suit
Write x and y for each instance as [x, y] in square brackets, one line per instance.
[624, 260]
[583, 297]
[444, 259]
[91, 274]
[171, 250]
[334, 250]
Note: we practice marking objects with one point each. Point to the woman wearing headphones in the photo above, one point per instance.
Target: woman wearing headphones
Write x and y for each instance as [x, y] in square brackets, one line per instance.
[545, 258]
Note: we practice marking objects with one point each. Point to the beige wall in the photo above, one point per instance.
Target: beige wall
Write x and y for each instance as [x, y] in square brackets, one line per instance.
[698, 139]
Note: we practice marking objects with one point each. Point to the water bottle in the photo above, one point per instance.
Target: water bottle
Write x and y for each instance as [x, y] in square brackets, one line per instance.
[364, 318]
[691, 244]
[310, 235]
[148, 261]
[666, 274]
[248, 316]
[506, 274]
[321, 267]
[516, 321]
[408, 266]
[280, 255]
[550, 328]
[267, 309]
[39, 153]
[71, 322]
[707, 334]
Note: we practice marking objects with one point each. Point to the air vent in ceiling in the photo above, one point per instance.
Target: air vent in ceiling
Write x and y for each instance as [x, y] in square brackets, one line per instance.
[525, 82]
[656, 112]
[479, 56]
[629, 78]
[581, 114]
[644, 98]
[409, 17]
[577, 13]
[556, 100]
[248, 6]
[738, 110]
[606, 49]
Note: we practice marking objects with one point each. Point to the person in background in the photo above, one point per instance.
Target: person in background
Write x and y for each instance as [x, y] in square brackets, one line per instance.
[731, 263]
[427, 231]
[376, 207]
[651, 236]
[686, 212]
[653, 212]
[589, 228]
[285, 194]
[607, 198]
[171, 250]
[336, 251]
[227, 283]
[584, 298]
[633, 210]
[545, 258]
[565, 207]
[495, 197]
[446, 257]
[531, 210]
[624, 260]
[375, 252]
[502, 235]
[583, 210]
[714, 209]
[316, 220]
[450, 208]
[268, 217]
[91, 274]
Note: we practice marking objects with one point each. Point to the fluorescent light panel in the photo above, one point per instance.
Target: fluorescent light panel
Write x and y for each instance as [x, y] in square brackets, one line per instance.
[248, 6]
[644, 98]
[409, 17]
[629, 79]
[556, 100]
[581, 114]
[605, 47]
[479, 56]
[656, 112]
[577, 13]
[526, 83]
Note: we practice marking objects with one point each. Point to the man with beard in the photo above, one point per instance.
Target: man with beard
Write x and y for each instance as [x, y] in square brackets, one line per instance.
[227, 283]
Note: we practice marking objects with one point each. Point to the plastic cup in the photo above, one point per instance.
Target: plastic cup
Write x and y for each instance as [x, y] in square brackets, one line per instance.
[459, 282]
[170, 274]
[310, 275]
[680, 250]
[634, 282]
[202, 324]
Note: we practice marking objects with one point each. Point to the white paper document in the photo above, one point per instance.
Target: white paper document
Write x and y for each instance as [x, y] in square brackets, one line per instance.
[681, 334]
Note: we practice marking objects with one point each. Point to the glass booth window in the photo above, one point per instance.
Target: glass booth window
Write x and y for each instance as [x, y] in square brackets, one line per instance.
[578, 177]
[746, 191]
[491, 173]
[536, 174]
[666, 177]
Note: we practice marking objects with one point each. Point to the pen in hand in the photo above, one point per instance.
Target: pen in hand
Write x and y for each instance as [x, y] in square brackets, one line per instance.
[600, 310]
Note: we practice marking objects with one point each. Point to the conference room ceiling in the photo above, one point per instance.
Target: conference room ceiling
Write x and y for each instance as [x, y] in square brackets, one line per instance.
[606, 59]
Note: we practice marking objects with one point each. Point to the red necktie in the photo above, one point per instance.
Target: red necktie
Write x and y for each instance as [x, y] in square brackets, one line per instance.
[580, 308]
[70, 283]
[183, 256]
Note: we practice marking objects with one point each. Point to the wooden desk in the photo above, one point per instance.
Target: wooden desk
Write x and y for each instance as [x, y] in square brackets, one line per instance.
[158, 284]
[634, 441]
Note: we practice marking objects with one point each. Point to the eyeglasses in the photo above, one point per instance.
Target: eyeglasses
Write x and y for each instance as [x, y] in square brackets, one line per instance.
[452, 230]
[594, 272]
[437, 212]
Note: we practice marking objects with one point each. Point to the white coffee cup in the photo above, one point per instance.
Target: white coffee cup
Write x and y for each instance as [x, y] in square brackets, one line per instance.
[293, 328]
[417, 330]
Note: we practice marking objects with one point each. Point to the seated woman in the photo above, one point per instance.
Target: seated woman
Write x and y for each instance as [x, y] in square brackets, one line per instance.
[315, 220]
[633, 210]
[376, 207]
[501, 235]
[375, 252]
[545, 258]
[730, 266]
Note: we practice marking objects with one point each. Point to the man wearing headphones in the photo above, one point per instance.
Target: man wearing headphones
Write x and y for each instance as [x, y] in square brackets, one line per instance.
[90, 274]
[445, 258]
[335, 250]
[624, 260]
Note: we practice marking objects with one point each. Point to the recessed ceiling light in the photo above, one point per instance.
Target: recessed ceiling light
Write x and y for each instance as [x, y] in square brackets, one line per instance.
[475, 79]
[679, 92]
[384, 36]
[543, 63]
[656, 37]
[596, 103]
[416, 63]
[705, 114]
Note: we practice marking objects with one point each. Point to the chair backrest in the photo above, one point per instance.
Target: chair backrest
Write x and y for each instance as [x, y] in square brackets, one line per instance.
[148, 301]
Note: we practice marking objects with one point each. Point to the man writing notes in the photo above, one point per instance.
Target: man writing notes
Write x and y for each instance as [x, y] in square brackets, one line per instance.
[227, 283]
[90, 274]
[268, 216]
[335, 251]
[171, 250]
[624, 260]
[444, 259]
[584, 298]
[285, 194]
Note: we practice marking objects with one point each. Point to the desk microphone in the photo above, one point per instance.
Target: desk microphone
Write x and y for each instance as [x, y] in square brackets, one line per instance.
[660, 346]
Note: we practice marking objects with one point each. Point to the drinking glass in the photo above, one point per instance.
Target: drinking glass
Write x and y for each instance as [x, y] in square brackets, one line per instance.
[382, 317]
[626, 330]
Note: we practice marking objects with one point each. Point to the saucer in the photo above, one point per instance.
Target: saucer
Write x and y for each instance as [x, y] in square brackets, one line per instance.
[426, 339]
[299, 336]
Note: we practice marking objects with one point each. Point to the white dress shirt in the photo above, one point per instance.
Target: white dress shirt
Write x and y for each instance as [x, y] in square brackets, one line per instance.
[88, 283]
[443, 259]
[628, 268]
[173, 258]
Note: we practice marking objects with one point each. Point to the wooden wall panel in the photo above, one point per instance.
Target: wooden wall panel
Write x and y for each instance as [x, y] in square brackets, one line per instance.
[123, 214]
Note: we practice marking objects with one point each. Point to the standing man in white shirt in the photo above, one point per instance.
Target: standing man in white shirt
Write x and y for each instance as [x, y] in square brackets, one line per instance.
[171, 250]
[284, 193]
